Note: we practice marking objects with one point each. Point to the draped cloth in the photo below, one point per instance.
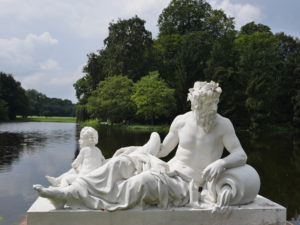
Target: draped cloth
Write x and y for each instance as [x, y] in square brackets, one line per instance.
[138, 179]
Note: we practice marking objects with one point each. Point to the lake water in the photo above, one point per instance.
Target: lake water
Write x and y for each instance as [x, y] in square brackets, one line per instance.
[29, 151]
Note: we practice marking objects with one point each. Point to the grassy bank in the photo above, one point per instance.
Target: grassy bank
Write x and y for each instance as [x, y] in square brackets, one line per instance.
[131, 127]
[46, 119]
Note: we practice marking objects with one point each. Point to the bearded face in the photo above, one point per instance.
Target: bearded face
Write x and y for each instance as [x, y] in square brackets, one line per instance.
[204, 99]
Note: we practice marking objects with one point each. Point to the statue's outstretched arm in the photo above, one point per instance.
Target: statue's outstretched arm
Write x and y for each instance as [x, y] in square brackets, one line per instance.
[171, 140]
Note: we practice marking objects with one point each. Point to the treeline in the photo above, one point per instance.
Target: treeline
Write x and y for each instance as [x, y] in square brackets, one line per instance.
[15, 100]
[259, 71]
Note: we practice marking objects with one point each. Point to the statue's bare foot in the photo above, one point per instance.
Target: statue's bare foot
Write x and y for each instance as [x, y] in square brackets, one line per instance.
[50, 194]
[53, 181]
[41, 190]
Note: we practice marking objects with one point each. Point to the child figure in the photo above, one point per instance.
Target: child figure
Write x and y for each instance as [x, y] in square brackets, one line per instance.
[89, 158]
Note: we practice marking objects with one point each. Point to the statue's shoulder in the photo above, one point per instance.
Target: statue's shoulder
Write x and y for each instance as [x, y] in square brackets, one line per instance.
[224, 123]
[180, 120]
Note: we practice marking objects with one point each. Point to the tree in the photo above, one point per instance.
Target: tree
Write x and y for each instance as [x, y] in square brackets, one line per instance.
[94, 68]
[252, 27]
[221, 68]
[3, 111]
[83, 88]
[218, 24]
[127, 49]
[153, 98]
[14, 95]
[36, 102]
[257, 65]
[183, 16]
[41, 105]
[188, 29]
[192, 56]
[288, 53]
[296, 100]
[182, 61]
[111, 99]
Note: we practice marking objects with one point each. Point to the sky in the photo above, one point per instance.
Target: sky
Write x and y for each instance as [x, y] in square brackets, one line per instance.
[44, 43]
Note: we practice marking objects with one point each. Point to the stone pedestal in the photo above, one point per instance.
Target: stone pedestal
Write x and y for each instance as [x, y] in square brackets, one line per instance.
[261, 212]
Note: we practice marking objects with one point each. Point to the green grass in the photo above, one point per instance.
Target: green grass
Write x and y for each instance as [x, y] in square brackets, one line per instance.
[139, 127]
[132, 127]
[91, 123]
[46, 119]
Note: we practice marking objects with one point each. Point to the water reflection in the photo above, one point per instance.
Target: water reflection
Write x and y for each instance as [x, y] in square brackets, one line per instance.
[13, 145]
[276, 157]
[29, 151]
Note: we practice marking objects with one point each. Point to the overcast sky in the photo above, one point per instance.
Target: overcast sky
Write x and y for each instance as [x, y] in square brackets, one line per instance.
[44, 43]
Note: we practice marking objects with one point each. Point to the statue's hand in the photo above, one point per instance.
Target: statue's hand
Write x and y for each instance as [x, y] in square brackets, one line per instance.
[213, 170]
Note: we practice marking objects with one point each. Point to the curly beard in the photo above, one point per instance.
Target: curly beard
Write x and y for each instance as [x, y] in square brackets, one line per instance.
[205, 118]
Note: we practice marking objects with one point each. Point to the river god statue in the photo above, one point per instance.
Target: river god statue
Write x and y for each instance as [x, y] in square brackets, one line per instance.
[136, 177]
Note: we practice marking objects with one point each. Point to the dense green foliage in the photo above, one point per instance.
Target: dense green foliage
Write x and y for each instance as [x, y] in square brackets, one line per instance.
[14, 100]
[153, 98]
[257, 70]
[41, 105]
[112, 99]
[3, 110]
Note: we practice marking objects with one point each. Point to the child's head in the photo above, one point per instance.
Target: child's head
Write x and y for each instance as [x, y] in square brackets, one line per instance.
[88, 137]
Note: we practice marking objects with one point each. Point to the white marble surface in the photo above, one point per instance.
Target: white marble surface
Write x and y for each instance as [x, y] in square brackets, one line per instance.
[261, 212]
[136, 177]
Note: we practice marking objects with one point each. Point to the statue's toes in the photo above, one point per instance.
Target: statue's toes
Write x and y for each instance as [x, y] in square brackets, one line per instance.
[37, 187]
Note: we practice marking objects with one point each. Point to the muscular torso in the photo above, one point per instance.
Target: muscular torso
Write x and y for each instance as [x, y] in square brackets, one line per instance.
[196, 148]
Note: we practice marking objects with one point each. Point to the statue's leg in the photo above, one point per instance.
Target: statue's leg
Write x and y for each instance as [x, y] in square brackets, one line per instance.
[56, 181]
[103, 180]
[55, 195]
[143, 189]
[68, 180]
[49, 192]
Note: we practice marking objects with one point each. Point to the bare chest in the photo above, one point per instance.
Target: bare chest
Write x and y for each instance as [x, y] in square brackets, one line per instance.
[192, 136]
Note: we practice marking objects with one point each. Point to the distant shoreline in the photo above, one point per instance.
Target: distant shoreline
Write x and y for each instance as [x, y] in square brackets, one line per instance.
[45, 119]
[131, 127]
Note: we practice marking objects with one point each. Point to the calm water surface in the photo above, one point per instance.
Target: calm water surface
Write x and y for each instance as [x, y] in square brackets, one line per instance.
[29, 151]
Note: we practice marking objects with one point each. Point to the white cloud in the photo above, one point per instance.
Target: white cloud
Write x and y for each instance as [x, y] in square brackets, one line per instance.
[49, 64]
[243, 13]
[53, 80]
[69, 79]
[16, 52]
[87, 18]
[32, 81]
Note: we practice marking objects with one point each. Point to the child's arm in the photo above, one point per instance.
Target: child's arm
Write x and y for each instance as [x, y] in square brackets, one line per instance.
[79, 159]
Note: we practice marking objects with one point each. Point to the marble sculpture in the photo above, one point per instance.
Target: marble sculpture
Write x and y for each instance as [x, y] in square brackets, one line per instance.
[136, 177]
